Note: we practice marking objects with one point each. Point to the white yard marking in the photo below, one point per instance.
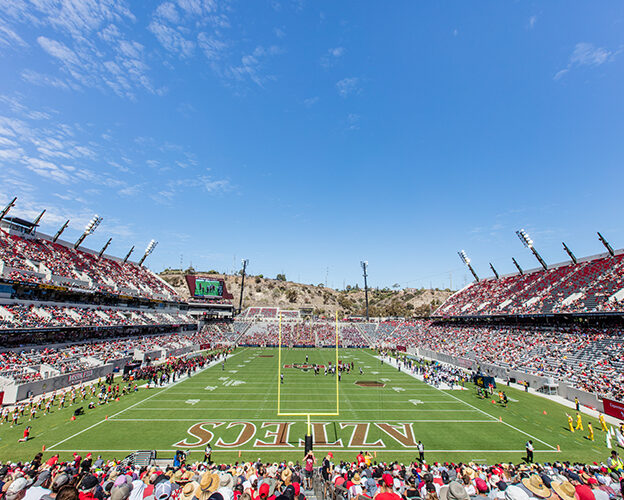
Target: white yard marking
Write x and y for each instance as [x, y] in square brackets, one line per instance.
[135, 404]
[233, 371]
[375, 373]
[398, 389]
[415, 401]
[552, 448]
[210, 387]
[192, 401]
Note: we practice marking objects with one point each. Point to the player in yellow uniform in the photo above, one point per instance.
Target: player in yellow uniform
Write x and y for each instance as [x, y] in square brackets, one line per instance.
[602, 422]
[570, 423]
[590, 431]
[579, 422]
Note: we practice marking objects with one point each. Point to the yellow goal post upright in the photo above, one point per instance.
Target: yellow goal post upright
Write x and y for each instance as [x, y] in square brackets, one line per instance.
[279, 375]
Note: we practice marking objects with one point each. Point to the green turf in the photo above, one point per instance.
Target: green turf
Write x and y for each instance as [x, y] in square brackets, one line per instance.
[453, 425]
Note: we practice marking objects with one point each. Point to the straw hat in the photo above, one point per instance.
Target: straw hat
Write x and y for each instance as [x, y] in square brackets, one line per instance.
[536, 486]
[564, 489]
[286, 475]
[209, 484]
[188, 490]
[356, 479]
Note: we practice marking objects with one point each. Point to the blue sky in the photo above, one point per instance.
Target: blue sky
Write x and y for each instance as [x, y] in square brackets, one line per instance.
[307, 135]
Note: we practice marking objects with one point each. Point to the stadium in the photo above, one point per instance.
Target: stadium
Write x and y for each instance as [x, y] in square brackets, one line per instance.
[103, 357]
[439, 181]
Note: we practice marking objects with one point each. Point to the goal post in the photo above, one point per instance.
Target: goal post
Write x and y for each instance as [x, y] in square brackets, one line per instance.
[307, 414]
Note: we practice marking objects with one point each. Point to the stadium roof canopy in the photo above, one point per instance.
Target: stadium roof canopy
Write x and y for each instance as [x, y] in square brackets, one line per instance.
[21, 223]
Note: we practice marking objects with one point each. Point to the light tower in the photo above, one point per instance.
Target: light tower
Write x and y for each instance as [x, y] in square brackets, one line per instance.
[244, 262]
[89, 229]
[517, 266]
[493, 270]
[150, 248]
[466, 260]
[104, 248]
[60, 231]
[364, 264]
[36, 222]
[569, 252]
[606, 244]
[528, 242]
[10, 205]
[128, 254]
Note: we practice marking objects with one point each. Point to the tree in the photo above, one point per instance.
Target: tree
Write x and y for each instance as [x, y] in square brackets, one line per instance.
[291, 295]
[281, 277]
[396, 285]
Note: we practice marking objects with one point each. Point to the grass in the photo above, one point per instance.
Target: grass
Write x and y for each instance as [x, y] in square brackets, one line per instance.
[453, 425]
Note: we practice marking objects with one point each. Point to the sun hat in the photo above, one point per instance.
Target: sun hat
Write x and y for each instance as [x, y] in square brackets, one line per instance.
[121, 492]
[226, 481]
[188, 490]
[16, 487]
[564, 489]
[356, 479]
[208, 484]
[515, 493]
[453, 491]
[536, 485]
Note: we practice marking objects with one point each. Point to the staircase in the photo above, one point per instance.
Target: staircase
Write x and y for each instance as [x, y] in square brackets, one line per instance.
[143, 458]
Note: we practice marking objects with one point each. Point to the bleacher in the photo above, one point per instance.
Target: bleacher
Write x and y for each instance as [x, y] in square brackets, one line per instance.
[38, 260]
[592, 285]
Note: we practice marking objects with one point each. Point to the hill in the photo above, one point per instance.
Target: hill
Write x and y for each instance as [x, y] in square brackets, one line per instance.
[265, 292]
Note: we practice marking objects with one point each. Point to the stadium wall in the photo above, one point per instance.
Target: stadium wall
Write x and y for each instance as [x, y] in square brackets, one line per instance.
[38, 387]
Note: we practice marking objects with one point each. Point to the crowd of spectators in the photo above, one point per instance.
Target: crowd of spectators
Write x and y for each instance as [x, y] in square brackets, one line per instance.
[588, 286]
[27, 365]
[34, 315]
[90, 478]
[36, 260]
[303, 333]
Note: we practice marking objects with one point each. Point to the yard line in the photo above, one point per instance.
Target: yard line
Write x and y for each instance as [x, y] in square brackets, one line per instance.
[298, 450]
[488, 421]
[272, 410]
[135, 404]
[491, 416]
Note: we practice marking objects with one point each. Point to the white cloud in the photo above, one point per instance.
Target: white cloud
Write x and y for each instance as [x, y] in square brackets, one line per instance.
[532, 21]
[585, 54]
[8, 37]
[348, 86]
[311, 101]
[171, 39]
[46, 169]
[87, 35]
[337, 51]
[212, 47]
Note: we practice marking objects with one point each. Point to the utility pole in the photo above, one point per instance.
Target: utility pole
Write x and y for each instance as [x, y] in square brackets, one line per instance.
[240, 302]
[364, 265]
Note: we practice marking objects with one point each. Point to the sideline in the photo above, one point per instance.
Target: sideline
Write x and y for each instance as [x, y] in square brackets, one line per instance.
[394, 363]
[181, 379]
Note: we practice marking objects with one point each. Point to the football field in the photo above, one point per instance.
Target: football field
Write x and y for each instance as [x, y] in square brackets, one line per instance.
[383, 410]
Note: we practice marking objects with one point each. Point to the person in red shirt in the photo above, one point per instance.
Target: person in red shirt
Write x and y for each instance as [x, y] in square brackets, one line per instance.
[26, 434]
[361, 460]
[385, 489]
[52, 461]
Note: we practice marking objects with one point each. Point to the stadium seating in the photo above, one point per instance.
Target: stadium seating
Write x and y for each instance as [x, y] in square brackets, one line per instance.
[591, 285]
[36, 260]
[34, 315]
